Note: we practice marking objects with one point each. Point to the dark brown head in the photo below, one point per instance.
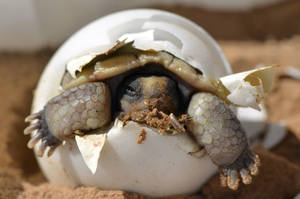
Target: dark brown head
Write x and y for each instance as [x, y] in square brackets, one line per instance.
[148, 93]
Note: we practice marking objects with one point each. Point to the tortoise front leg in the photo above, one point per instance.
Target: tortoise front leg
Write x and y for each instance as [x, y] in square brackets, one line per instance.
[217, 128]
[76, 110]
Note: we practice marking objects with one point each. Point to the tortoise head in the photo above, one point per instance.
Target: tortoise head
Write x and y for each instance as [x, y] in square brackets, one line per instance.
[141, 93]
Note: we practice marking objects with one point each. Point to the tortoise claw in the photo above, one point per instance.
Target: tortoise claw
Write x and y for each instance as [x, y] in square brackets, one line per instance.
[246, 177]
[233, 179]
[32, 142]
[33, 116]
[32, 127]
[244, 167]
[43, 133]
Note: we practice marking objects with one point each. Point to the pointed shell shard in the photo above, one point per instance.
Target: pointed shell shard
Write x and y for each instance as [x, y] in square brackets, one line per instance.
[77, 64]
[248, 88]
[138, 41]
[90, 147]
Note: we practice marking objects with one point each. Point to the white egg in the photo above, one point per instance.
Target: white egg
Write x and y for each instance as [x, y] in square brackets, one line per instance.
[161, 165]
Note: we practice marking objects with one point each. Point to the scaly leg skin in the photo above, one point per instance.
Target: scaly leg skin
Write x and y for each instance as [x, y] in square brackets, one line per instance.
[81, 108]
[217, 128]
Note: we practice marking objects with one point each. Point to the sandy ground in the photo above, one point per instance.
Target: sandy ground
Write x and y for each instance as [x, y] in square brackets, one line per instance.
[279, 178]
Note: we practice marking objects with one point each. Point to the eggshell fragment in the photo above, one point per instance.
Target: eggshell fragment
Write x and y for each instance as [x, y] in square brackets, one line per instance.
[249, 88]
[275, 133]
[292, 72]
[90, 147]
[253, 121]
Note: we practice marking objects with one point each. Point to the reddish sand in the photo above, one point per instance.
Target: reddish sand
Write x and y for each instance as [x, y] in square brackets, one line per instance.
[279, 176]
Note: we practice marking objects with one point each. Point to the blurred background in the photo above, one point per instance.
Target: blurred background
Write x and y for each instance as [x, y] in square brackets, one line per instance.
[250, 32]
[34, 24]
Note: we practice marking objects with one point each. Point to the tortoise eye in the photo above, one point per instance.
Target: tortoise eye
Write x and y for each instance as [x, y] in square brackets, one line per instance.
[131, 91]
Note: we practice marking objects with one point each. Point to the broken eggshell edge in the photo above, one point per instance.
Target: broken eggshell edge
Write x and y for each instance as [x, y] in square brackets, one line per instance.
[124, 167]
[247, 89]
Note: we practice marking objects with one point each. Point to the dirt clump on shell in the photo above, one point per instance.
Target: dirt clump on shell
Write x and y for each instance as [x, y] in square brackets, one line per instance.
[142, 136]
[157, 119]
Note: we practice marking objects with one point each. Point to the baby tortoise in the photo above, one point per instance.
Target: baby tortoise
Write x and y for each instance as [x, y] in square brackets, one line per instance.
[135, 85]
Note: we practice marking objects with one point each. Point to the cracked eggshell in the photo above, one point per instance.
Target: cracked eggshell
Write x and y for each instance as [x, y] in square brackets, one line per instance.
[159, 166]
[150, 168]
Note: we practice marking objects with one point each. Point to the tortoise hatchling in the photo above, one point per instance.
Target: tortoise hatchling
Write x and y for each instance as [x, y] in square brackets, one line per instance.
[155, 89]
